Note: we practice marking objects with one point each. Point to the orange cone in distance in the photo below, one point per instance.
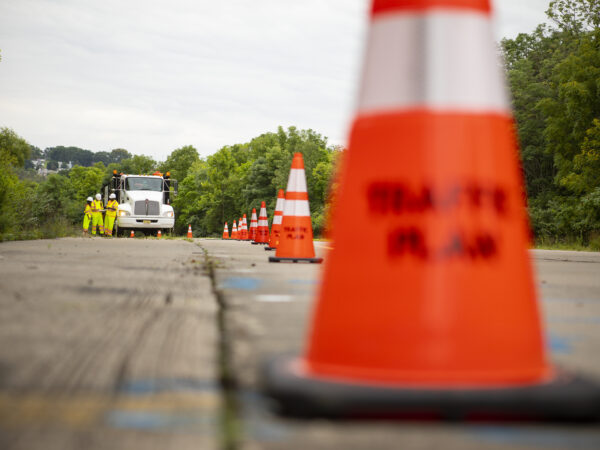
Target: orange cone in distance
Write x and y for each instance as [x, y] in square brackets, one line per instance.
[438, 313]
[253, 226]
[276, 225]
[234, 231]
[296, 238]
[159, 234]
[240, 229]
[225, 232]
[189, 233]
[132, 234]
[244, 228]
[263, 225]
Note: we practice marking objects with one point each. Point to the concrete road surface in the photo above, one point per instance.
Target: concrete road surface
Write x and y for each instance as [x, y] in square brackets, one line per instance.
[155, 344]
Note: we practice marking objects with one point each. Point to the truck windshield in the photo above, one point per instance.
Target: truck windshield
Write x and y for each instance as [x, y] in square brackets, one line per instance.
[144, 184]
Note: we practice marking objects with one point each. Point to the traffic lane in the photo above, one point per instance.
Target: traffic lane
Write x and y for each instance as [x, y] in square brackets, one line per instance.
[110, 341]
[270, 314]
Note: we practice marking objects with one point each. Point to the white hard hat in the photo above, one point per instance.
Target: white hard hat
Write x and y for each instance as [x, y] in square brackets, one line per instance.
[89, 199]
[112, 196]
[98, 196]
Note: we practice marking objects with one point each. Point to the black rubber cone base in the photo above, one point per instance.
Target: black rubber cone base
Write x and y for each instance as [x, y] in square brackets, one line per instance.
[270, 248]
[565, 398]
[254, 243]
[310, 260]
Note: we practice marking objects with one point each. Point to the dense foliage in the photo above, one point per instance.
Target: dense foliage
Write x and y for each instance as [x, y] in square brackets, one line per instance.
[554, 76]
[212, 190]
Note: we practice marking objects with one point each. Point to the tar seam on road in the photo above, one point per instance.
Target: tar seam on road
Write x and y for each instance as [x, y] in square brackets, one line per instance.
[231, 430]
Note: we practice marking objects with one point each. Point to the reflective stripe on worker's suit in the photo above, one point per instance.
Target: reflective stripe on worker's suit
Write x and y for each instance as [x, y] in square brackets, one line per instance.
[109, 218]
[87, 216]
[97, 207]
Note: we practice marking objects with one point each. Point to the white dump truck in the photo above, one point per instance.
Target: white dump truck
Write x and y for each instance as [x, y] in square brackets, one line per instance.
[144, 202]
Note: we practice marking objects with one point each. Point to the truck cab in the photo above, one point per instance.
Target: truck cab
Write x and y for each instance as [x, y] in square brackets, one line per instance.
[144, 202]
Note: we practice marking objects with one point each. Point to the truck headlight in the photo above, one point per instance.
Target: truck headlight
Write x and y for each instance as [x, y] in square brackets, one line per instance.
[122, 213]
[168, 214]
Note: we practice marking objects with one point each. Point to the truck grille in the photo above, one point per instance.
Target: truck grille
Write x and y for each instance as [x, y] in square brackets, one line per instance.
[139, 209]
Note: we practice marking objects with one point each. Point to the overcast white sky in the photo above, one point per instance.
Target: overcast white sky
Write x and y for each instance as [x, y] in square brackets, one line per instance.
[152, 76]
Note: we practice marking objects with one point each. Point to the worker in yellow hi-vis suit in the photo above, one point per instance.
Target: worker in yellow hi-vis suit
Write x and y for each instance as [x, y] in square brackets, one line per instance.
[87, 216]
[111, 214]
[97, 207]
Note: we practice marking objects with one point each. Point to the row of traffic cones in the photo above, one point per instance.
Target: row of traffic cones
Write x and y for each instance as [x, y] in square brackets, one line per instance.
[291, 234]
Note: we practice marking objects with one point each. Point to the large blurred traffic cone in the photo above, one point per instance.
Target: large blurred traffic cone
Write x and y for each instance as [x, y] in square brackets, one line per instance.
[226, 232]
[437, 314]
[189, 233]
[276, 225]
[253, 225]
[263, 225]
[296, 238]
[234, 232]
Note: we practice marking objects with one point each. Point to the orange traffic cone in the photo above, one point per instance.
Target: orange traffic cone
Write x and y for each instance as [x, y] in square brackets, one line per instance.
[276, 225]
[263, 225]
[244, 228]
[234, 231]
[240, 229]
[296, 239]
[253, 226]
[225, 232]
[132, 234]
[189, 233]
[159, 234]
[438, 313]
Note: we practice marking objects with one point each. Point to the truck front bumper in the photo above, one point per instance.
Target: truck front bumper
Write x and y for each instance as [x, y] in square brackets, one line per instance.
[133, 222]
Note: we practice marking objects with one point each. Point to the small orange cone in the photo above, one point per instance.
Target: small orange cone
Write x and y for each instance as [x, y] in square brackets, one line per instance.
[276, 225]
[225, 232]
[159, 234]
[132, 234]
[263, 225]
[234, 231]
[240, 230]
[296, 239]
[189, 233]
[244, 228]
[437, 315]
[253, 226]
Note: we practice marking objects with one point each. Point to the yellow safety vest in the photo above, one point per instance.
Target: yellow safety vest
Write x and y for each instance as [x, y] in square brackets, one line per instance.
[111, 208]
[97, 206]
[88, 210]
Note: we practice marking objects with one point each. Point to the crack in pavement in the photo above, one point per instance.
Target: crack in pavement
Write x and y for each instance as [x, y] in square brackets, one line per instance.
[231, 425]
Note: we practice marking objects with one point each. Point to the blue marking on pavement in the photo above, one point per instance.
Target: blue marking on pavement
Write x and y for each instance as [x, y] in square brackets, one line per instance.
[246, 284]
[559, 344]
[152, 386]
[543, 437]
[154, 420]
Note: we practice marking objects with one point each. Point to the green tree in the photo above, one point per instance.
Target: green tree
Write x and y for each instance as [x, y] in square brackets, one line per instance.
[86, 181]
[138, 165]
[179, 162]
[13, 148]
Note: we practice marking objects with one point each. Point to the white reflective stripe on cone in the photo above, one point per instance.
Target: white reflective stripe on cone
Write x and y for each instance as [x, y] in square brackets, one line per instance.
[277, 220]
[440, 60]
[297, 181]
[298, 208]
[279, 204]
